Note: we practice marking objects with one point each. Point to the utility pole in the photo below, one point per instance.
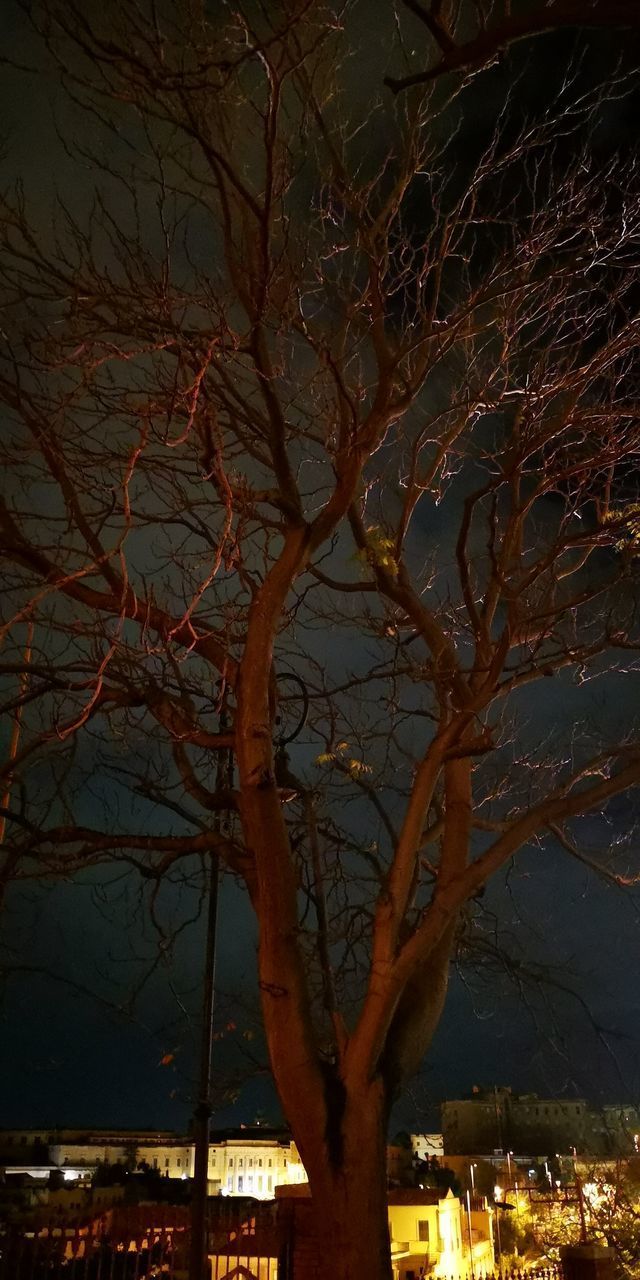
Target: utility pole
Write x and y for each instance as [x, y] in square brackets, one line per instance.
[470, 1235]
[202, 1113]
[499, 1241]
[198, 1264]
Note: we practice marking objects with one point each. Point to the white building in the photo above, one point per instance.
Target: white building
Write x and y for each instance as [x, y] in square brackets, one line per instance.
[427, 1146]
[246, 1162]
[242, 1162]
[434, 1233]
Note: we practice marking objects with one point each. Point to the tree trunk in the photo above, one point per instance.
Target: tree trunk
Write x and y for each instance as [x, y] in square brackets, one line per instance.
[349, 1195]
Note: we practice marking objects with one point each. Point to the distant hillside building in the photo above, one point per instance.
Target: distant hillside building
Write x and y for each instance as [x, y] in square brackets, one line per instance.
[497, 1120]
[253, 1161]
[248, 1161]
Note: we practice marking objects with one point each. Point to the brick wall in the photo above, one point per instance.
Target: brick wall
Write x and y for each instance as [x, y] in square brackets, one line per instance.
[588, 1262]
[303, 1250]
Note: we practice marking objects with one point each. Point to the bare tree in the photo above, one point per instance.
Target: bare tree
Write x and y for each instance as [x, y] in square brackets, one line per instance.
[306, 417]
[470, 35]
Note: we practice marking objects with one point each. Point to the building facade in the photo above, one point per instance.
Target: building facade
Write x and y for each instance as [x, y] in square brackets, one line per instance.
[491, 1122]
[242, 1162]
[436, 1235]
[498, 1122]
[427, 1146]
[253, 1162]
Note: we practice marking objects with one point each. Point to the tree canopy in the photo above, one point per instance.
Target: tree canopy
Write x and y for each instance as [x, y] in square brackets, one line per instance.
[312, 415]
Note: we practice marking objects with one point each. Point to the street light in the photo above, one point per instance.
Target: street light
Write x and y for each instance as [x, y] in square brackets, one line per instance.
[473, 1180]
[509, 1155]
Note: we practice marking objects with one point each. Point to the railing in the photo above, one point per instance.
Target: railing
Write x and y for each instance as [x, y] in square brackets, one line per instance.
[550, 1272]
[76, 1255]
[141, 1243]
[151, 1243]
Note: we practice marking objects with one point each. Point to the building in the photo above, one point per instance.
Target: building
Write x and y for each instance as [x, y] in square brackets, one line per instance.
[436, 1233]
[253, 1161]
[427, 1146]
[85, 1147]
[249, 1161]
[496, 1121]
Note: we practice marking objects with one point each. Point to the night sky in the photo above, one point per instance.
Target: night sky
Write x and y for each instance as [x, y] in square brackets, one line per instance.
[69, 1058]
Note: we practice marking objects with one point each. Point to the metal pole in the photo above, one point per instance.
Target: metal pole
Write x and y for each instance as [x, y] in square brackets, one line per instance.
[584, 1235]
[470, 1235]
[198, 1260]
[198, 1249]
[499, 1243]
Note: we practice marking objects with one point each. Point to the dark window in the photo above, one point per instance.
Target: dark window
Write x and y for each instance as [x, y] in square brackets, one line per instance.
[423, 1230]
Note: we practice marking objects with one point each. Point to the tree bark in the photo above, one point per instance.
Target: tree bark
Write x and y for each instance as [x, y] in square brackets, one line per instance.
[349, 1189]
